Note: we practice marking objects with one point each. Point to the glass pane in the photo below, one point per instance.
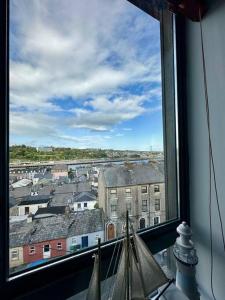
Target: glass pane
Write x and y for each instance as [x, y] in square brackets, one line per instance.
[86, 126]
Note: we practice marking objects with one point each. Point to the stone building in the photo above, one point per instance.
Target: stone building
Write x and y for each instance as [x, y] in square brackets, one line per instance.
[140, 189]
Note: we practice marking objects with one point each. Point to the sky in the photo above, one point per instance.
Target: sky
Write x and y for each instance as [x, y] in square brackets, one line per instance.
[84, 74]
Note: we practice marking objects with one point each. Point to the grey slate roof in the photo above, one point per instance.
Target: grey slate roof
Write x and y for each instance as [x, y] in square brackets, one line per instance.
[86, 221]
[84, 196]
[56, 210]
[35, 200]
[117, 176]
[55, 227]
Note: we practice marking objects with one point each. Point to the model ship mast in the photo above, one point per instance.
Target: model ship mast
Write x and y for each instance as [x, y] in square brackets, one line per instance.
[138, 274]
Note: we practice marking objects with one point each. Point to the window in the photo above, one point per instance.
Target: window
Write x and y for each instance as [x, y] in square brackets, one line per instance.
[27, 210]
[156, 220]
[128, 191]
[46, 248]
[156, 188]
[31, 250]
[74, 241]
[157, 204]
[14, 254]
[113, 192]
[80, 118]
[144, 205]
[85, 205]
[59, 246]
[78, 205]
[113, 208]
[144, 189]
[142, 223]
[96, 238]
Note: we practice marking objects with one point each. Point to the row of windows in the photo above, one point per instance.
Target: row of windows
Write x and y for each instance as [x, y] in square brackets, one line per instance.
[32, 250]
[144, 190]
[144, 206]
[156, 220]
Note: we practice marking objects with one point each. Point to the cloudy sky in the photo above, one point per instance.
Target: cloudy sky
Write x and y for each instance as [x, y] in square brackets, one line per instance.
[84, 74]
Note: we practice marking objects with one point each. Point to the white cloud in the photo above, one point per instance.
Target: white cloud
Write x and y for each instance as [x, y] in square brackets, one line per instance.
[83, 50]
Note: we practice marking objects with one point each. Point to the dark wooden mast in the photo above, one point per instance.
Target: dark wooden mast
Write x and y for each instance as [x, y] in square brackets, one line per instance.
[127, 257]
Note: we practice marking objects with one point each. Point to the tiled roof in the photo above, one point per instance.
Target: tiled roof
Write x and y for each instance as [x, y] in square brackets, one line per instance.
[35, 200]
[117, 176]
[55, 210]
[84, 196]
[55, 227]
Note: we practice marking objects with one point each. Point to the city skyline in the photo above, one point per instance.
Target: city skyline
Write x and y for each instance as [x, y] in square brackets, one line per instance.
[81, 78]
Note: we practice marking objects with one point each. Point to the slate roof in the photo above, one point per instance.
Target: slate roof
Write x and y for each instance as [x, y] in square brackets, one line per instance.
[55, 227]
[86, 221]
[55, 210]
[117, 176]
[35, 200]
[84, 196]
[39, 176]
[21, 183]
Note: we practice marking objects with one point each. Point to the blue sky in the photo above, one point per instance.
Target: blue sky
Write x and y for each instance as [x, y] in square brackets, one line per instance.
[84, 74]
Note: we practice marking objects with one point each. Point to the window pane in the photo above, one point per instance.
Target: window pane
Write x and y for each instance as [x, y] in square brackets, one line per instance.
[86, 126]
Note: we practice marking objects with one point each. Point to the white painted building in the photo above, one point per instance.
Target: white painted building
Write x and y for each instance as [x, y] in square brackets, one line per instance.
[84, 200]
[84, 231]
[84, 240]
[32, 203]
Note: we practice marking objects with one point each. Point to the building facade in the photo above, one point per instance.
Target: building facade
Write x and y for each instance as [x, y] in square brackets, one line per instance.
[138, 189]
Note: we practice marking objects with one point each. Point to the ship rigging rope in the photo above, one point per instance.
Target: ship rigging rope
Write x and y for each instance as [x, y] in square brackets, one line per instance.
[211, 165]
[111, 288]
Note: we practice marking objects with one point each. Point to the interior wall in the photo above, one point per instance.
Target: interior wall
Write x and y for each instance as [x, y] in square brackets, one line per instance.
[214, 39]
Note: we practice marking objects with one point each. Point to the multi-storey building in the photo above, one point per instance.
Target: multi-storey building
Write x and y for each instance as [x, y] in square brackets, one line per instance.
[139, 189]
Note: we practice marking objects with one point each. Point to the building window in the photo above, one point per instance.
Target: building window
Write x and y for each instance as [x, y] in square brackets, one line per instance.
[85, 205]
[156, 188]
[157, 204]
[156, 220]
[113, 192]
[144, 205]
[144, 189]
[15, 255]
[74, 241]
[142, 223]
[110, 101]
[113, 208]
[31, 250]
[46, 248]
[96, 238]
[27, 210]
[128, 191]
[59, 246]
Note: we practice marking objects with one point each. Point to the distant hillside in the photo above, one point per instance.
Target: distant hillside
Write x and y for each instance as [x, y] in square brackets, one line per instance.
[26, 153]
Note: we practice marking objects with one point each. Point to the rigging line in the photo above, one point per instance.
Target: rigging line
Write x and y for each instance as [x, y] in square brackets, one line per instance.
[111, 289]
[209, 130]
[107, 273]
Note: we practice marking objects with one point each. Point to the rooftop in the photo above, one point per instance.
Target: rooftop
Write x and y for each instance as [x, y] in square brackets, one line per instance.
[132, 174]
[35, 200]
[55, 227]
